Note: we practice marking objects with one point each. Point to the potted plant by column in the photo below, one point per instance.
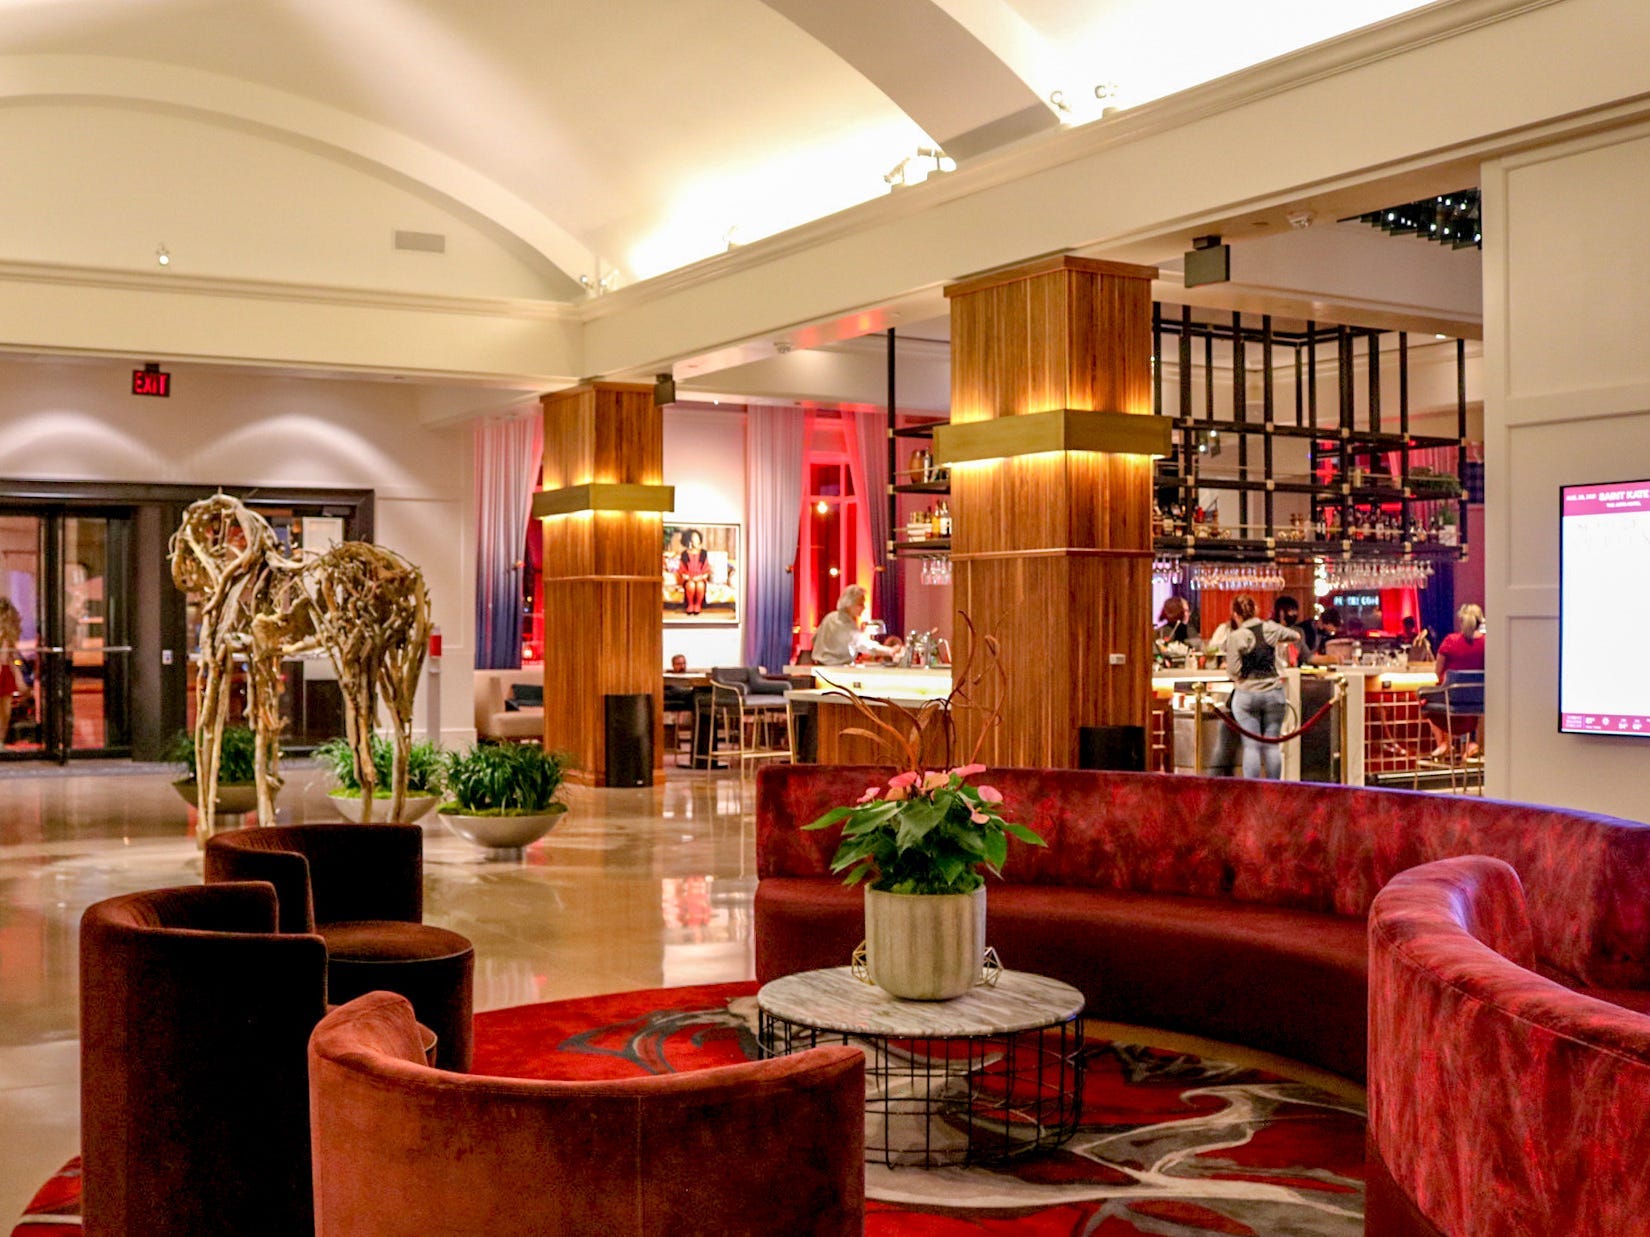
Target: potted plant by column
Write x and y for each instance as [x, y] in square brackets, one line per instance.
[426, 776]
[237, 774]
[922, 840]
[504, 797]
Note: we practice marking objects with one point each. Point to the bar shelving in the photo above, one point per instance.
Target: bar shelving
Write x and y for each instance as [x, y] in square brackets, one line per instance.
[1362, 498]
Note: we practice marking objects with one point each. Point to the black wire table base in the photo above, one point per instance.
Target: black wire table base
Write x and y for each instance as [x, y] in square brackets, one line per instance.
[955, 1100]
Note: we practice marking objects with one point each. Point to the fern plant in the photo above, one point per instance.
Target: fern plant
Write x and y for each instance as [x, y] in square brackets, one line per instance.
[508, 779]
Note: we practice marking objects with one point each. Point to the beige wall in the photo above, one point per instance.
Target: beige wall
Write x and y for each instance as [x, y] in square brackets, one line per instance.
[705, 461]
[62, 421]
[1567, 400]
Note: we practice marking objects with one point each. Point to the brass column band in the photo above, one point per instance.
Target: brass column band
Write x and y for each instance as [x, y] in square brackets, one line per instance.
[1064, 429]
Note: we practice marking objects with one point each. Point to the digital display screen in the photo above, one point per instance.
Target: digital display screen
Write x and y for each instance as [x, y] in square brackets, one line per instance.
[1603, 582]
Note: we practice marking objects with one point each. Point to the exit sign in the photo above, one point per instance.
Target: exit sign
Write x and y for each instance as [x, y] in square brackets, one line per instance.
[151, 381]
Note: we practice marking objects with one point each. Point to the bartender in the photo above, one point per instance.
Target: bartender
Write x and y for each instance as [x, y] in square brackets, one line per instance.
[838, 639]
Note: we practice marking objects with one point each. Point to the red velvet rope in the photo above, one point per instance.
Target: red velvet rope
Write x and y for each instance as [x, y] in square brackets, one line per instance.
[1310, 722]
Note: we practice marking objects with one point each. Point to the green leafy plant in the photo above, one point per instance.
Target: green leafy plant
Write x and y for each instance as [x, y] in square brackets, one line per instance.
[509, 779]
[927, 830]
[426, 767]
[236, 765]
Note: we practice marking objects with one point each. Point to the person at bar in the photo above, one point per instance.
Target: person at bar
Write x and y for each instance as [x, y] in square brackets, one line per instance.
[1259, 701]
[1317, 635]
[838, 639]
[1174, 624]
[1462, 649]
[1286, 612]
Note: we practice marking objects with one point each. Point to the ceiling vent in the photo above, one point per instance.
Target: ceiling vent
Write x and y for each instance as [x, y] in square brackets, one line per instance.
[421, 242]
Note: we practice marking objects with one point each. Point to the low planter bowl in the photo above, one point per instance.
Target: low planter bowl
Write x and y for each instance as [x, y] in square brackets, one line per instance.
[504, 837]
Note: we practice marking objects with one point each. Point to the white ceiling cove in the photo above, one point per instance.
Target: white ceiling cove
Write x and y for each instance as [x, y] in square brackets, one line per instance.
[638, 136]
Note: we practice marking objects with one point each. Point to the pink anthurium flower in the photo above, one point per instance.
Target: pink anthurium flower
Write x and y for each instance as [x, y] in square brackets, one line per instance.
[901, 780]
[871, 792]
[935, 780]
[990, 794]
[968, 770]
[978, 817]
[896, 793]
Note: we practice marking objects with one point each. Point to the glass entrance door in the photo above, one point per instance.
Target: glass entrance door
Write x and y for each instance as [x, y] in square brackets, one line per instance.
[65, 633]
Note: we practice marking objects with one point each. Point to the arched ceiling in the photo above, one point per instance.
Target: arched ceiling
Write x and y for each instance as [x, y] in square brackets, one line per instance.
[638, 136]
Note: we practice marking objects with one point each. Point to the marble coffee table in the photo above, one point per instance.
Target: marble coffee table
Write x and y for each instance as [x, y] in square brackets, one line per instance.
[993, 1074]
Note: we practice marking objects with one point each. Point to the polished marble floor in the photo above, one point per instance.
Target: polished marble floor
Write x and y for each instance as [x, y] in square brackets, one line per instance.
[634, 889]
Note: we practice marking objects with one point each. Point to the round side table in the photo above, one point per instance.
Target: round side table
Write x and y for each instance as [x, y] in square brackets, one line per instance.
[988, 1076]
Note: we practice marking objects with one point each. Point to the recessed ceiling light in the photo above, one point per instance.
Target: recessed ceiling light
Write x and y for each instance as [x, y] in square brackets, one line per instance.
[163, 255]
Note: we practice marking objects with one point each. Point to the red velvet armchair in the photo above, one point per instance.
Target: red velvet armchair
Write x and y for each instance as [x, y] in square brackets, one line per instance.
[361, 888]
[194, 1016]
[403, 1150]
[1501, 1103]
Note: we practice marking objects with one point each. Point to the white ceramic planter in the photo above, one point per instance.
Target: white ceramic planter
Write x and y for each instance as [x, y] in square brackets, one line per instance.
[924, 946]
[414, 807]
[504, 837]
[234, 798]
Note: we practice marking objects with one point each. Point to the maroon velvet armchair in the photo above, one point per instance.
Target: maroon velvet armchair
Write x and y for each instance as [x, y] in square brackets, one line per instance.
[403, 1150]
[1500, 1102]
[194, 1016]
[361, 888]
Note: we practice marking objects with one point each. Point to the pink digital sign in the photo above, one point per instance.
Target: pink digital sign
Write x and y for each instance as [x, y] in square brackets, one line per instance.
[1604, 573]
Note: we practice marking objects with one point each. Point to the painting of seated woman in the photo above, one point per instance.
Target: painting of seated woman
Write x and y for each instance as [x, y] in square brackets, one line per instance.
[700, 573]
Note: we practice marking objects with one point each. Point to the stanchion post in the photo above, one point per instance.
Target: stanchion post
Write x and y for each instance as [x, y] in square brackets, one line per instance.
[1197, 727]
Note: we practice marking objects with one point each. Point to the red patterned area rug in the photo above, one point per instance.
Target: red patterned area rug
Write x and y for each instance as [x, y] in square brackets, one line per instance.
[1171, 1144]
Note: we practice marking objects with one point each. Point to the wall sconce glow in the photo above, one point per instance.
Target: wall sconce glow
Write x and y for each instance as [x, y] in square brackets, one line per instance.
[163, 256]
[1198, 44]
[800, 182]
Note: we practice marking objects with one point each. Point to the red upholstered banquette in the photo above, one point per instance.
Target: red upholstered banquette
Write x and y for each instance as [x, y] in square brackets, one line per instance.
[1501, 1104]
[1222, 907]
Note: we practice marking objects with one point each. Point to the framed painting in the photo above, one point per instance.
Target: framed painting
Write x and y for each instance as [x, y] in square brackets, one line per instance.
[700, 574]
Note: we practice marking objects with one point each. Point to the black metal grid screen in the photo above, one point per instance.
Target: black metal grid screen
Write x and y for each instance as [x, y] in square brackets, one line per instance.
[949, 1100]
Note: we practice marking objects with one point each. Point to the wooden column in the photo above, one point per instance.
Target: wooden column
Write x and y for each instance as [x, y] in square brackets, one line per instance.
[1051, 541]
[603, 612]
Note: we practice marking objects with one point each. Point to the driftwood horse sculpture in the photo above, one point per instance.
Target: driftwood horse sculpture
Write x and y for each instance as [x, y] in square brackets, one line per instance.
[366, 606]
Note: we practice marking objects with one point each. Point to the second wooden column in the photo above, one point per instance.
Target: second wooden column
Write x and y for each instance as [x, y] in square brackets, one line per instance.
[1051, 547]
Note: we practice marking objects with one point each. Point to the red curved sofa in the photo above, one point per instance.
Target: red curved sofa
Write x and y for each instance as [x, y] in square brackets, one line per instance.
[1222, 907]
[1501, 1104]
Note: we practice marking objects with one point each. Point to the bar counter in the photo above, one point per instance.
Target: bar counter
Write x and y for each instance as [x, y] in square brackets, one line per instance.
[833, 713]
[1383, 736]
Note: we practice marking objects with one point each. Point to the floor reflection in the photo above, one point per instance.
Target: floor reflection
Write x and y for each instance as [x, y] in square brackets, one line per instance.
[633, 889]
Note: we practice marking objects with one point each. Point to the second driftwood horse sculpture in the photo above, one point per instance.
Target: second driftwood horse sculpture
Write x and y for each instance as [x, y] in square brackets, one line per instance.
[366, 606]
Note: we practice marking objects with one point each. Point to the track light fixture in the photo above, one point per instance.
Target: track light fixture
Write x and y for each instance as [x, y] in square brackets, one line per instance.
[601, 285]
[163, 255]
[902, 172]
